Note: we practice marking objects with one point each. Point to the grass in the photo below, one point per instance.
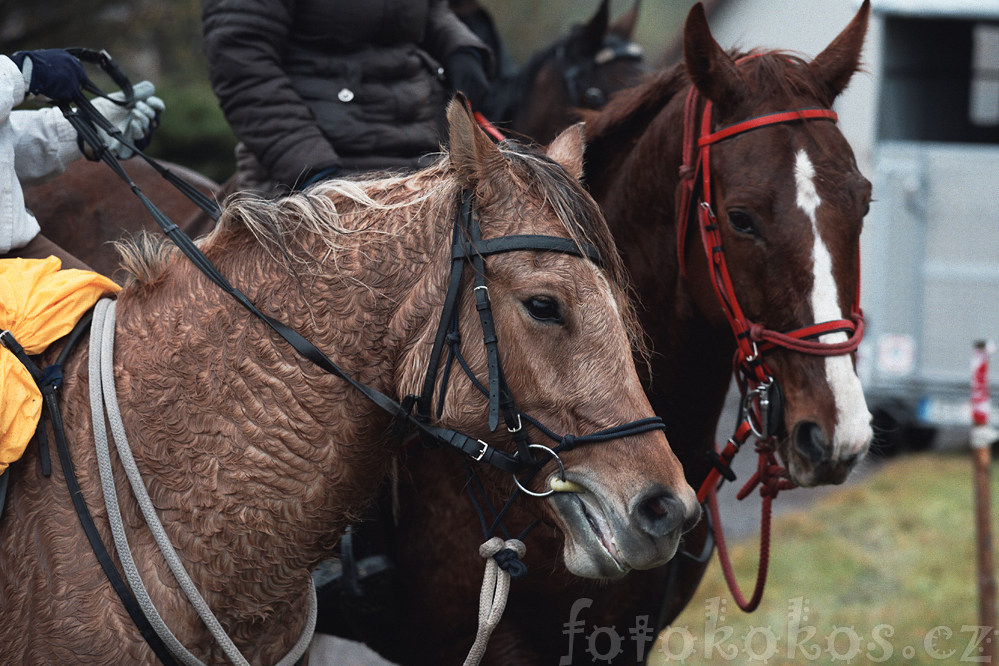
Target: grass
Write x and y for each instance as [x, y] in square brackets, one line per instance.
[879, 572]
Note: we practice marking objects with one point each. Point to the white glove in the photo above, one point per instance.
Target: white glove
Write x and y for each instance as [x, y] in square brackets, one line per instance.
[136, 124]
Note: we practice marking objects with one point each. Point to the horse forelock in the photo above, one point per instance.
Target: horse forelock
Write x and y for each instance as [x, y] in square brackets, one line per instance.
[779, 75]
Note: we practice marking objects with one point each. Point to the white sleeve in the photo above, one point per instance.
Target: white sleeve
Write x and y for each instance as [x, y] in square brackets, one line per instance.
[17, 226]
[45, 143]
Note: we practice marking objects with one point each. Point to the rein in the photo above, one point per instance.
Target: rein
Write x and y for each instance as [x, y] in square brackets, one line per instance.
[761, 409]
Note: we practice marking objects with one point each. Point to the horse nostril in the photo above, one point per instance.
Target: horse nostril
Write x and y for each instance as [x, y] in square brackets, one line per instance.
[659, 513]
[811, 442]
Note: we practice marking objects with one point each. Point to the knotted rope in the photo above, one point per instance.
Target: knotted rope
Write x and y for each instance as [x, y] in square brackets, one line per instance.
[771, 478]
[502, 560]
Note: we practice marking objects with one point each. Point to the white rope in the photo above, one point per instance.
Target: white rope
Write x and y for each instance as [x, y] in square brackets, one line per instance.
[492, 598]
[101, 358]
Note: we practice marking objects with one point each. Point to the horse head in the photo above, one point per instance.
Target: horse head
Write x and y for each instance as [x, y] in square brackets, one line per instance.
[579, 71]
[788, 203]
[565, 332]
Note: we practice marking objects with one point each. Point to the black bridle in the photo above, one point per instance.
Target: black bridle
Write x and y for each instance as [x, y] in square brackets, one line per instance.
[577, 73]
[469, 249]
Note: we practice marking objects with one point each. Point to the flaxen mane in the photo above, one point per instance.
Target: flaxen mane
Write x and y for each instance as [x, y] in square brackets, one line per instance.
[333, 211]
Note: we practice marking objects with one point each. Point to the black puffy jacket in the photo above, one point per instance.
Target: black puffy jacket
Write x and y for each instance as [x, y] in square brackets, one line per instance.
[354, 84]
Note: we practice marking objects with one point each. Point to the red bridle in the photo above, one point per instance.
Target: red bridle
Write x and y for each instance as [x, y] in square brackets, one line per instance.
[753, 339]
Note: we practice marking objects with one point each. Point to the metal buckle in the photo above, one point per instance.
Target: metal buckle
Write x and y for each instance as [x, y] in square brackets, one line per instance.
[482, 451]
[520, 426]
[758, 413]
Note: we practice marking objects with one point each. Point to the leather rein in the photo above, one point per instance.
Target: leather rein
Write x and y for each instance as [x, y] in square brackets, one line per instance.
[761, 406]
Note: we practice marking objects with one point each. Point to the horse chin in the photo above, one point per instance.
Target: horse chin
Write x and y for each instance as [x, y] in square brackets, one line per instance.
[599, 542]
[806, 473]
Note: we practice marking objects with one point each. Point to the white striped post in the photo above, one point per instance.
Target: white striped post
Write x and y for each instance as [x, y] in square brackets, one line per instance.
[983, 436]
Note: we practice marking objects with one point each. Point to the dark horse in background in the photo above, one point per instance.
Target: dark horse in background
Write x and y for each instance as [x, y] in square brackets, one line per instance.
[789, 202]
[579, 71]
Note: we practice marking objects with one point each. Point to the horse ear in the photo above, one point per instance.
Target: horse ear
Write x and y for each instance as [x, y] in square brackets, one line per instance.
[592, 35]
[473, 155]
[567, 150]
[712, 72]
[624, 26]
[837, 63]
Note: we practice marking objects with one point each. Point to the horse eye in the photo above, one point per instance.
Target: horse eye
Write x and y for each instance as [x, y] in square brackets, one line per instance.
[543, 309]
[743, 222]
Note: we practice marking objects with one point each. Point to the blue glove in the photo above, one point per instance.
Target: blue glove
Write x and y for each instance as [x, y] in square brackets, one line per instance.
[51, 72]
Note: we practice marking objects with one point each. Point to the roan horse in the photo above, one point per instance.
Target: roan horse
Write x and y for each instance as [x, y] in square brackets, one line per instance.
[256, 461]
[789, 203]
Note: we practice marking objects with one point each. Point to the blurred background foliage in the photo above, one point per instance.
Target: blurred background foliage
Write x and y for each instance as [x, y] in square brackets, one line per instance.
[161, 41]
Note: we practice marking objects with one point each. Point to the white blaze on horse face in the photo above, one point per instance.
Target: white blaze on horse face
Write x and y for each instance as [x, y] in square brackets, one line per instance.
[853, 428]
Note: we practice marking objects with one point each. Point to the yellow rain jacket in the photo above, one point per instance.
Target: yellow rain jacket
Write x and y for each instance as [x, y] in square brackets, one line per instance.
[39, 303]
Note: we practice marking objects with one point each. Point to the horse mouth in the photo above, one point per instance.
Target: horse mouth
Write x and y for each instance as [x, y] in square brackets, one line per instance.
[603, 539]
[591, 550]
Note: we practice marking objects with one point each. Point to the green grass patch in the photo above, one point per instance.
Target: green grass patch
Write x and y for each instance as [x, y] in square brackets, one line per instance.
[879, 572]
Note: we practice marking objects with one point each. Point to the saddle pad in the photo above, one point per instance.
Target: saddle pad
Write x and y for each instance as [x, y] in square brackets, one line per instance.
[39, 303]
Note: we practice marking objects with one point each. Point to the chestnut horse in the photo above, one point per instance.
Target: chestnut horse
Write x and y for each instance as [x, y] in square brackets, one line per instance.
[256, 461]
[789, 203]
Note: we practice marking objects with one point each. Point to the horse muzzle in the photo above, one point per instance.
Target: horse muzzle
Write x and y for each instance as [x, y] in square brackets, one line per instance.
[608, 535]
[814, 459]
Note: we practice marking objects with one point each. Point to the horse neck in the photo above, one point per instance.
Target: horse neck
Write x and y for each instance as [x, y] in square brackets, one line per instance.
[240, 423]
[637, 187]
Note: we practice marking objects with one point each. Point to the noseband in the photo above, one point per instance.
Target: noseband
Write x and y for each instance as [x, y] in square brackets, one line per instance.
[761, 395]
[469, 249]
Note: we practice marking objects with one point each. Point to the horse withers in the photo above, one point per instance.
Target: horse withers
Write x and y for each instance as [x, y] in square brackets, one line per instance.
[255, 460]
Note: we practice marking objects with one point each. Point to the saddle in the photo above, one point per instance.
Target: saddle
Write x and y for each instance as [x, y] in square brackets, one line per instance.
[39, 304]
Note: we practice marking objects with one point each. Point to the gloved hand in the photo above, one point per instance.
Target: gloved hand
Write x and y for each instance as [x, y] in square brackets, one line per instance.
[136, 124]
[51, 72]
[466, 72]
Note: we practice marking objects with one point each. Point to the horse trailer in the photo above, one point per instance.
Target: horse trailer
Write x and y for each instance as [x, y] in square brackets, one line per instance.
[931, 240]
